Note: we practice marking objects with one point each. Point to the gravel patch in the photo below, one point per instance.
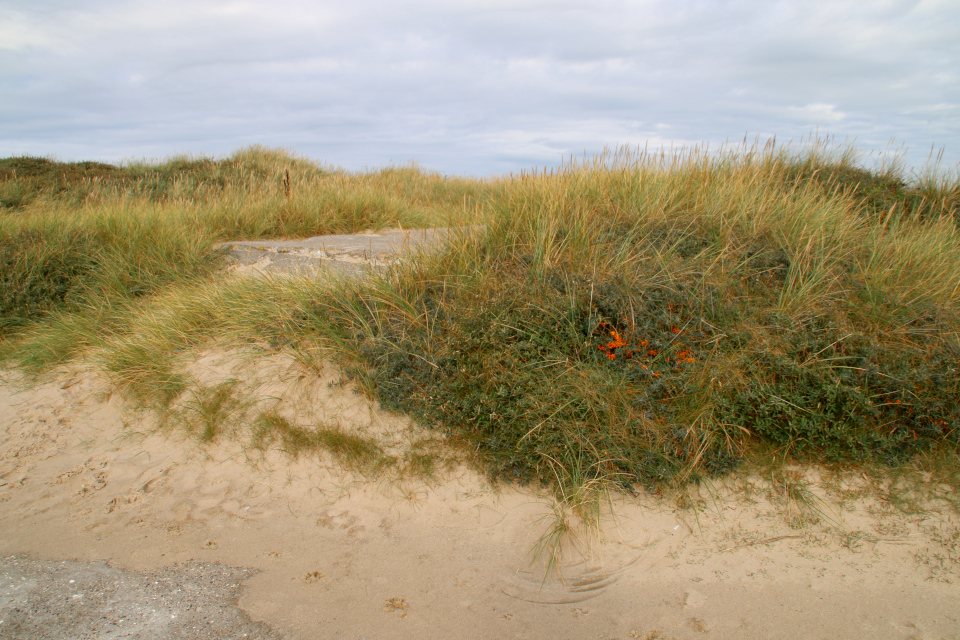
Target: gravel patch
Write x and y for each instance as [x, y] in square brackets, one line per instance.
[92, 600]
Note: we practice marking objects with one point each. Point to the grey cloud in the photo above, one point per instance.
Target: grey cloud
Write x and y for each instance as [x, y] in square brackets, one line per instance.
[476, 86]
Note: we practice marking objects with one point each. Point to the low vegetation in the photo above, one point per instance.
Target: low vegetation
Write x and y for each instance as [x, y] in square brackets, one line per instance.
[632, 320]
[78, 235]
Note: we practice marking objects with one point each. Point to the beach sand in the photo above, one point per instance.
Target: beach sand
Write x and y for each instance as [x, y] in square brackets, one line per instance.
[307, 550]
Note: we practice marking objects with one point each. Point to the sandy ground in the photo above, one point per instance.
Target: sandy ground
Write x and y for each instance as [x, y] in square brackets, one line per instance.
[269, 546]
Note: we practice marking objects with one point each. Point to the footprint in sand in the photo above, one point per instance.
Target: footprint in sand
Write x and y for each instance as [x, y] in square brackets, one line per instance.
[694, 599]
[156, 481]
[313, 576]
[399, 605]
[99, 482]
[698, 625]
[120, 502]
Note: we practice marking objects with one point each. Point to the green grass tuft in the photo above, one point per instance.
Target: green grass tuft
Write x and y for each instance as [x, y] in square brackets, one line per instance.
[351, 450]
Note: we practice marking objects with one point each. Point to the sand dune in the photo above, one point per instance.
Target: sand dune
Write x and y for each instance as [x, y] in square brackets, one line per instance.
[338, 555]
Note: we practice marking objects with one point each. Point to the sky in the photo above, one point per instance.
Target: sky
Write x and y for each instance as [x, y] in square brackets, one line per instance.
[475, 87]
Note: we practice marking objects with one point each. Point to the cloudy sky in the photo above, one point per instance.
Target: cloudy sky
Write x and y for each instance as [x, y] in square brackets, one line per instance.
[472, 86]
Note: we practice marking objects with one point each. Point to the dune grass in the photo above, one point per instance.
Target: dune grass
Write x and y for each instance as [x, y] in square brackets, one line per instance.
[78, 235]
[632, 320]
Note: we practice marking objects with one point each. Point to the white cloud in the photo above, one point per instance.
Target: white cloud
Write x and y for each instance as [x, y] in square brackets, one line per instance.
[943, 106]
[816, 114]
[18, 32]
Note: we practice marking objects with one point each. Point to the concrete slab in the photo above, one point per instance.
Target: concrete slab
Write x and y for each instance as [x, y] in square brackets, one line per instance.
[348, 253]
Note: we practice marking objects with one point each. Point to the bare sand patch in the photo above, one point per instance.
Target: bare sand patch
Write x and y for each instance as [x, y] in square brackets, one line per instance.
[339, 554]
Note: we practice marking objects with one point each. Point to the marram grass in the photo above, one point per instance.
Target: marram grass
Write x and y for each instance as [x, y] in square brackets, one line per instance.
[640, 320]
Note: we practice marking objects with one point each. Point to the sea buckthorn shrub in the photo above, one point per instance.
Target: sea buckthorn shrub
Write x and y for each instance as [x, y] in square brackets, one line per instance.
[536, 375]
[628, 376]
[853, 401]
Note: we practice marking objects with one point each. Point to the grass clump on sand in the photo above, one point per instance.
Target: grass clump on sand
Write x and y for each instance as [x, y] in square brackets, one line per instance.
[638, 320]
[352, 450]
